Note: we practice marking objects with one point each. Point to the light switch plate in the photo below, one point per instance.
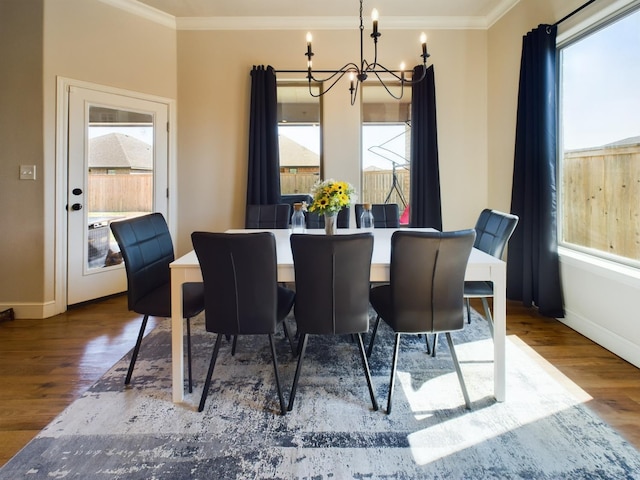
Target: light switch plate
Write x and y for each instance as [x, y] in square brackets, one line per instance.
[27, 172]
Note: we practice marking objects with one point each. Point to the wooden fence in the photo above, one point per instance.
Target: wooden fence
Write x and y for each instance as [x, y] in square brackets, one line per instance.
[601, 199]
[121, 193]
[376, 185]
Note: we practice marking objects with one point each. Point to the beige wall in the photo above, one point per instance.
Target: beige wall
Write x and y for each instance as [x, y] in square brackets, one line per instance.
[39, 40]
[21, 142]
[213, 106]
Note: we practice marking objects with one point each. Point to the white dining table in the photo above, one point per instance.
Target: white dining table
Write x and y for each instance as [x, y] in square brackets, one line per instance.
[481, 266]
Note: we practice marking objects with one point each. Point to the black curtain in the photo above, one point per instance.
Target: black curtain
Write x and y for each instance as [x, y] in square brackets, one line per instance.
[425, 207]
[533, 270]
[263, 177]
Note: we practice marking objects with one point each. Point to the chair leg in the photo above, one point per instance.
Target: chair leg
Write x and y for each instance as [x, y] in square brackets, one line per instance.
[287, 335]
[373, 336]
[468, 305]
[367, 373]
[283, 411]
[189, 355]
[458, 371]
[136, 349]
[394, 362]
[212, 364]
[435, 342]
[426, 339]
[301, 349]
[233, 346]
[487, 313]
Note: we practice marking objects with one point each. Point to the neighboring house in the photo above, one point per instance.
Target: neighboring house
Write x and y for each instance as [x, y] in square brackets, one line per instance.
[117, 153]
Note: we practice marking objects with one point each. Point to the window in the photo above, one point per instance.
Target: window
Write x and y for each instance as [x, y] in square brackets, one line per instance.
[386, 146]
[299, 138]
[600, 140]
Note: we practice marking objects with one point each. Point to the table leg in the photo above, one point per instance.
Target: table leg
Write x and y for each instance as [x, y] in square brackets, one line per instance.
[498, 277]
[177, 335]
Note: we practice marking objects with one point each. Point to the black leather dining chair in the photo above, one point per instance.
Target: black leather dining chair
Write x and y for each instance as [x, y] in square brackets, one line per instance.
[242, 296]
[313, 220]
[493, 231]
[269, 216]
[332, 292]
[147, 250]
[385, 215]
[425, 292]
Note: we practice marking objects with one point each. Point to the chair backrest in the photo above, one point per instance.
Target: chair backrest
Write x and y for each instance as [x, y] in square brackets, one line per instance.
[385, 215]
[427, 279]
[275, 215]
[493, 231]
[240, 281]
[147, 250]
[313, 220]
[332, 282]
[291, 198]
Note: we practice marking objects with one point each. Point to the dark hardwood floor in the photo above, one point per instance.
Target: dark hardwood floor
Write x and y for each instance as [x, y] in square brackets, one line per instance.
[46, 364]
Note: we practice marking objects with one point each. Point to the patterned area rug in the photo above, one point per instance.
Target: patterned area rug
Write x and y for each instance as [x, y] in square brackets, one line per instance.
[542, 431]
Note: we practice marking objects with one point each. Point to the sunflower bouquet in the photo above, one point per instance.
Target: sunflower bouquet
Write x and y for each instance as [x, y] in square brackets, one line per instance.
[331, 196]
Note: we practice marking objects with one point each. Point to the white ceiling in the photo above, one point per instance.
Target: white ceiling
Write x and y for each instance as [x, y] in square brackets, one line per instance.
[240, 14]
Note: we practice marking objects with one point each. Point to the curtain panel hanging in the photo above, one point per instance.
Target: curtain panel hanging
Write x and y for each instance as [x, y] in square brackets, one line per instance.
[425, 206]
[533, 270]
[263, 173]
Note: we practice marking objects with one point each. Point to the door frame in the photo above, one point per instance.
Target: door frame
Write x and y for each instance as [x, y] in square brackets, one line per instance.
[63, 86]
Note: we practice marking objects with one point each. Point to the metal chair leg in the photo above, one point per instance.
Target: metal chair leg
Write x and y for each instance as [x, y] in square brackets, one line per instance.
[487, 313]
[136, 349]
[394, 362]
[373, 336]
[367, 373]
[435, 342]
[189, 355]
[468, 305]
[287, 335]
[426, 339]
[275, 369]
[233, 346]
[458, 371]
[212, 364]
[302, 348]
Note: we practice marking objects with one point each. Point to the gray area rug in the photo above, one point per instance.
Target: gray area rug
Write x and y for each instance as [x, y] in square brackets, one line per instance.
[542, 431]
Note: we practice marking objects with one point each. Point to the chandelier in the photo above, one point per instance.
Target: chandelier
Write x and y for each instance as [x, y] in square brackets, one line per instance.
[358, 73]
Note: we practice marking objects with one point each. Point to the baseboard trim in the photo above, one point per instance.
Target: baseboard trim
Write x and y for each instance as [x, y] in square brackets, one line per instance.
[31, 310]
[616, 344]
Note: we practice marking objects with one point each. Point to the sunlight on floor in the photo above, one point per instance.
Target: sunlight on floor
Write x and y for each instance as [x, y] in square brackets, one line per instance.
[535, 390]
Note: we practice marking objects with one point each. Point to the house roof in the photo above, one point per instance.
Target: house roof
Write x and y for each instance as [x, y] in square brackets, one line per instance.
[292, 154]
[117, 150]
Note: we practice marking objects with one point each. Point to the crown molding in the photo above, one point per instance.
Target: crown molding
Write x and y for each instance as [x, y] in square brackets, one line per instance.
[144, 11]
[325, 23]
[498, 12]
[310, 23]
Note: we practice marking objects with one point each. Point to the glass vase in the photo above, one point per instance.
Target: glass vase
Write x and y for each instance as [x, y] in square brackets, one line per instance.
[330, 223]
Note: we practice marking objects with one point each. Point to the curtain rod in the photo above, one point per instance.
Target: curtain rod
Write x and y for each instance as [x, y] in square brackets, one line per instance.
[572, 13]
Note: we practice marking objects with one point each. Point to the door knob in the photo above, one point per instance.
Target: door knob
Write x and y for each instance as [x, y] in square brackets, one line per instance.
[76, 206]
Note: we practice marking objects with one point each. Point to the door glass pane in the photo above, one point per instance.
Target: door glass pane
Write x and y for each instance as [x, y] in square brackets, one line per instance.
[119, 178]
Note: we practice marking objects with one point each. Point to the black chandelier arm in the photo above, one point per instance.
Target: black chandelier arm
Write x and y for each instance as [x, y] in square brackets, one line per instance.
[349, 67]
[402, 83]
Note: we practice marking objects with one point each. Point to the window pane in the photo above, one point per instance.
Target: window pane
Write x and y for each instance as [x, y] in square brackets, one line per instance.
[299, 138]
[600, 131]
[386, 147]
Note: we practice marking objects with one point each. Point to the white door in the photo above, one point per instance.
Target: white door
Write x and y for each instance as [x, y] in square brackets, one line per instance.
[117, 168]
